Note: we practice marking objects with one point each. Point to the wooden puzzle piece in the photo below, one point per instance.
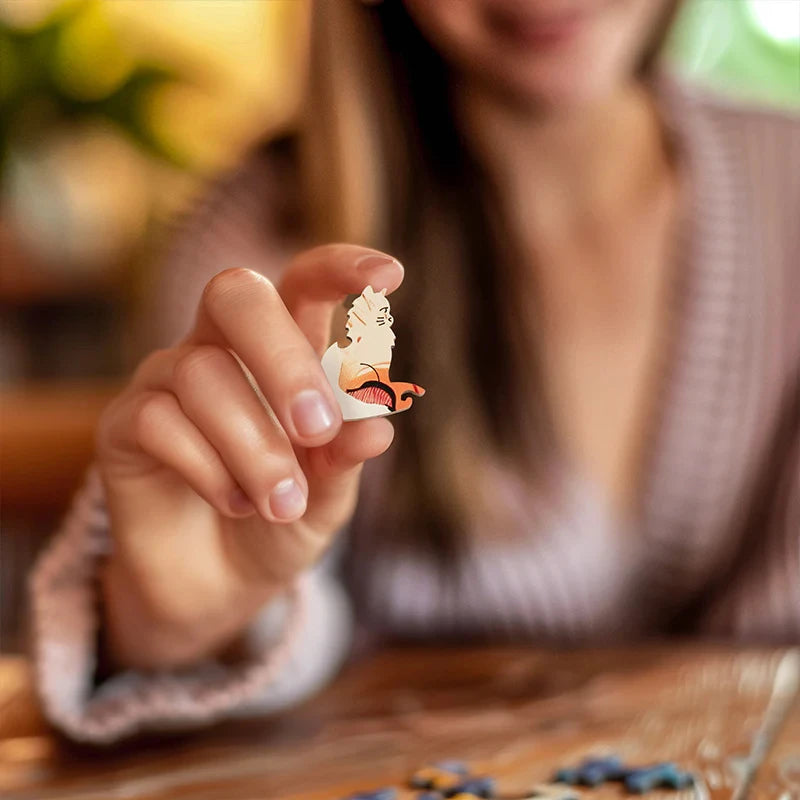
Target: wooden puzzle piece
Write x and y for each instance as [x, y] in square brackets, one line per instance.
[439, 775]
[639, 780]
[592, 772]
[359, 372]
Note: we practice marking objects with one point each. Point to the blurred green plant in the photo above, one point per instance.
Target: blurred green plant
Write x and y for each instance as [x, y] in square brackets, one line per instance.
[728, 45]
[70, 68]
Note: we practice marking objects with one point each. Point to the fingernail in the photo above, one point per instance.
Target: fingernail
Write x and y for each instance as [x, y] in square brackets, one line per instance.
[240, 502]
[311, 413]
[374, 261]
[287, 501]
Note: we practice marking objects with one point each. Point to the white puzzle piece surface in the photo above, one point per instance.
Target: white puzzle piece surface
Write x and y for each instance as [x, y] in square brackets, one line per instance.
[359, 373]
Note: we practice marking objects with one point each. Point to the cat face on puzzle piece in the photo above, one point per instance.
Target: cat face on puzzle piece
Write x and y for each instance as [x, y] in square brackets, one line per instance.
[369, 314]
[359, 372]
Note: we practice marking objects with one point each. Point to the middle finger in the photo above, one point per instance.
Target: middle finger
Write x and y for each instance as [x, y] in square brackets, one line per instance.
[216, 396]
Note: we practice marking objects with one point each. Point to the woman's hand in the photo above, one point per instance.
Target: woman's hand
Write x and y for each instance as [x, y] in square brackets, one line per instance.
[220, 493]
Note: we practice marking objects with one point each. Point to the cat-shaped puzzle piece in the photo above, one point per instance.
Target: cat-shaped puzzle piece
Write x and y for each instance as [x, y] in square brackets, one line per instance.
[359, 373]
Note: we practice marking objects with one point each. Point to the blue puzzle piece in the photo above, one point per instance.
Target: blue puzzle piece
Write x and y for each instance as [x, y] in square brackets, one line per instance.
[667, 775]
[376, 794]
[480, 787]
[592, 772]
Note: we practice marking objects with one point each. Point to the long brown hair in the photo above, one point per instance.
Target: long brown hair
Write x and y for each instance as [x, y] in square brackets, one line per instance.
[383, 164]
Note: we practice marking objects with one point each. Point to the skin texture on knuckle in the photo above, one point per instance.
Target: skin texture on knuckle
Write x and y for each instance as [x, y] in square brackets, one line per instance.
[152, 365]
[196, 365]
[149, 416]
[117, 430]
[228, 289]
[113, 428]
[297, 367]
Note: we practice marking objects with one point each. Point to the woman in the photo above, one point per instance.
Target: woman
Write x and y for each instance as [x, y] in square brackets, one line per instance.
[601, 299]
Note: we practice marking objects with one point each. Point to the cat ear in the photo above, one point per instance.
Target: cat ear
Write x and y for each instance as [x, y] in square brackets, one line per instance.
[366, 294]
[382, 292]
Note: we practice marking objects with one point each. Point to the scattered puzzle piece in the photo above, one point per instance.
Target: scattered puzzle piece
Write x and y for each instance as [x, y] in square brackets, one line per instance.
[451, 780]
[483, 786]
[667, 776]
[592, 772]
[637, 780]
[440, 775]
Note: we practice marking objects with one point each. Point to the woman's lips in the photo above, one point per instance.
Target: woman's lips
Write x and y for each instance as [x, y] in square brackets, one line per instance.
[541, 32]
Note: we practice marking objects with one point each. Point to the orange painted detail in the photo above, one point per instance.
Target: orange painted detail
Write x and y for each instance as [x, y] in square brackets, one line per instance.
[363, 365]
[379, 388]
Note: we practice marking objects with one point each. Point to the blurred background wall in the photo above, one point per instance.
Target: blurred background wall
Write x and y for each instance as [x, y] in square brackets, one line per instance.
[112, 114]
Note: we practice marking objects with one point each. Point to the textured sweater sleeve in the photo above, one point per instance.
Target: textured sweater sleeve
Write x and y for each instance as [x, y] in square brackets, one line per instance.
[292, 648]
[761, 599]
[760, 595]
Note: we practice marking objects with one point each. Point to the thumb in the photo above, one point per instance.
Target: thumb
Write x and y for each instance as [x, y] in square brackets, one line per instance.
[333, 470]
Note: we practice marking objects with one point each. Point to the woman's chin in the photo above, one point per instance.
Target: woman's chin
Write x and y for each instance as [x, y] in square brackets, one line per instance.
[574, 77]
[562, 92]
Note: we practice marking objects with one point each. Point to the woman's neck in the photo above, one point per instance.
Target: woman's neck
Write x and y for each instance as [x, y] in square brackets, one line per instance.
[591, 197]
[568, 170]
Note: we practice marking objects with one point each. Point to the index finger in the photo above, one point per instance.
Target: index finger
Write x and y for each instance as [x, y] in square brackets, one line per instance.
[243, 312]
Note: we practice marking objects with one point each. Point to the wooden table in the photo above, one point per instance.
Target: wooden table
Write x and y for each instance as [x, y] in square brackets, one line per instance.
[733, 717]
